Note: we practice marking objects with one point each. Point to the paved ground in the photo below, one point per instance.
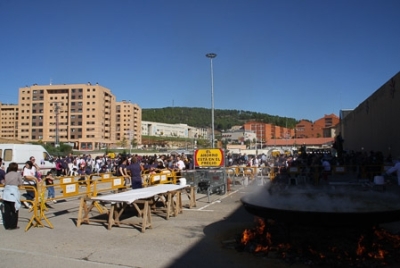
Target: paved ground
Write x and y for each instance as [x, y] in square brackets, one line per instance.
[195, 238]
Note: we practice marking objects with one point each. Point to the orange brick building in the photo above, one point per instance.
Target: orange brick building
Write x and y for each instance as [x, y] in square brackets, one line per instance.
[266, 132]
[321, 128]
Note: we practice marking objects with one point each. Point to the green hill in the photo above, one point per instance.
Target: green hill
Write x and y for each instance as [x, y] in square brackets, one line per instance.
[201, 117]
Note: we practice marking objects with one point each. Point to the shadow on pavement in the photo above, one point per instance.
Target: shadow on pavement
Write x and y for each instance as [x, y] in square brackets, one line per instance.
[211, 252]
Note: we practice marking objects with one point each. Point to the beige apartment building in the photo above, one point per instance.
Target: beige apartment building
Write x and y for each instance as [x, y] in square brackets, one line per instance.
[9, 121]
[128, 122]
[85, 115]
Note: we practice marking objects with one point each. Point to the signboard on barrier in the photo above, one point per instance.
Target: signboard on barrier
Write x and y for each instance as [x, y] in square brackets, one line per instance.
[209, 158]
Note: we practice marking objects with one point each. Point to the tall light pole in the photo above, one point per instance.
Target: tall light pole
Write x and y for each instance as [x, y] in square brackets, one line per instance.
[57, 112]
[211, 56]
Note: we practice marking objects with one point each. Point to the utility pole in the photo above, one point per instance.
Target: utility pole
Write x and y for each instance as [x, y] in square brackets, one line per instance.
[57, 112]
[211, 56]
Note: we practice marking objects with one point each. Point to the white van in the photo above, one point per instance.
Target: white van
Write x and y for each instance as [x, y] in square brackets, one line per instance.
[20, 153]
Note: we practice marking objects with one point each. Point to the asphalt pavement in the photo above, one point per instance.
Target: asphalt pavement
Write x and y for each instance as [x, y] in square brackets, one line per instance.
[199, 237]
[195, 238]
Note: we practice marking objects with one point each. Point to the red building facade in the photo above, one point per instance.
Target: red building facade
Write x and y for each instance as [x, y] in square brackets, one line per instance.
[319, 129]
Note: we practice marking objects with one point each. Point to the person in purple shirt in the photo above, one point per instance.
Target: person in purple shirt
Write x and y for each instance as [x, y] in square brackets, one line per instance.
[135, 170]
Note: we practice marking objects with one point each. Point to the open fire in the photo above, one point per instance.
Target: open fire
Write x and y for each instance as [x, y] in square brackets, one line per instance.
[322, 245]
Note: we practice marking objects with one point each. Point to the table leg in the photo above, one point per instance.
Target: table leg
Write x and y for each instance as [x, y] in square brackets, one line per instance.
[111, 216]
[82, 203]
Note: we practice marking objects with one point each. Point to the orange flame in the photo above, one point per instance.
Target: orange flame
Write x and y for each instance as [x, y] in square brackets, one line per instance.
[368, 247]
[250, 234]
[360, 248]
[246, 236]
[378, 255]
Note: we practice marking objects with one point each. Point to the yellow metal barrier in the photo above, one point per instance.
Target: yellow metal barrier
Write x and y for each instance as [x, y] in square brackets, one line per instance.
[84, 186]
[38, 207]
[164, 176]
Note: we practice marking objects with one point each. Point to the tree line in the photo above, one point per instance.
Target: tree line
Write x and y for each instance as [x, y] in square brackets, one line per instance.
[223, 119]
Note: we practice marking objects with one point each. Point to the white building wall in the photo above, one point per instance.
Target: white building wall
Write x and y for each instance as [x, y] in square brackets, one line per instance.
[239, 135]
[172, 130]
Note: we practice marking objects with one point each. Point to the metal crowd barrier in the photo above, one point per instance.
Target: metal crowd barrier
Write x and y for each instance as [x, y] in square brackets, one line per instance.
[206, 181]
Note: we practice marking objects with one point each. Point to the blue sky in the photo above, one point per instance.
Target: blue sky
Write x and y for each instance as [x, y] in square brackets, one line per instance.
[300, 59]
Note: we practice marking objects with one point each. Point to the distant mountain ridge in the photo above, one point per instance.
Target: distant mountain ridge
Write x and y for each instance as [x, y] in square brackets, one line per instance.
[201, 117]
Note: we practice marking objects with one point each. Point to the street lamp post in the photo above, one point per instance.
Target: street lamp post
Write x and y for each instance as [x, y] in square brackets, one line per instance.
[211, 56]
[57, 112]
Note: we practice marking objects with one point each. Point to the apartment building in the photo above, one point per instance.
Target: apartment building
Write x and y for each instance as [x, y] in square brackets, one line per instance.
[128, 122]
[321, 128]
[81, 114]
[9, 121]
[266, 132]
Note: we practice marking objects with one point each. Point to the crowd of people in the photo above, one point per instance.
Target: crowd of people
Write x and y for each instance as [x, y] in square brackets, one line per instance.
[363, 164]
[86, 165]
[131, 167]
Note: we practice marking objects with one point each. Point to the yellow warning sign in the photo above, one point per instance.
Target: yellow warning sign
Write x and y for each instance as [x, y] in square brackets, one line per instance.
[209, 158]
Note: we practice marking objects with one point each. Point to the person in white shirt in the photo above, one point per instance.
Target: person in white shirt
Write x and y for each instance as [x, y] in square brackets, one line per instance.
[29, 179]
[256, 162]
[35, 167]
[179, 163]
